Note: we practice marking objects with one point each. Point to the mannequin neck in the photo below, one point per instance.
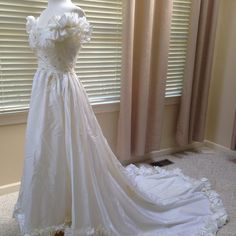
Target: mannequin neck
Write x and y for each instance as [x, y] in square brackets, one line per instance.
[53, 3]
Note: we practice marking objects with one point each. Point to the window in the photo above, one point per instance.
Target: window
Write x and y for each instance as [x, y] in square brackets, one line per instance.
[99, 62]
[180, 24]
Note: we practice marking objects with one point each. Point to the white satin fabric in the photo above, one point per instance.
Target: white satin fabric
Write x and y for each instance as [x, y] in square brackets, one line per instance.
[72, 181]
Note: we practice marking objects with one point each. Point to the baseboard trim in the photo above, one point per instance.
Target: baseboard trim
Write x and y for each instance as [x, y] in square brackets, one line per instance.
[220, 148]
[9, 188]
[157, 154]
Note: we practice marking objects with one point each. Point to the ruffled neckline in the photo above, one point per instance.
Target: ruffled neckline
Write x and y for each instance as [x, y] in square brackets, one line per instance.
[58, 28]
[59, 19]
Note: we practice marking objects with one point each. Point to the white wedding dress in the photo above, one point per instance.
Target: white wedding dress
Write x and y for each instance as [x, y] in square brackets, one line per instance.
[72, 181]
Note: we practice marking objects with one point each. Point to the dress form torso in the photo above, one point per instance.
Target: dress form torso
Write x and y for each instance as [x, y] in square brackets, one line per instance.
[57, 7]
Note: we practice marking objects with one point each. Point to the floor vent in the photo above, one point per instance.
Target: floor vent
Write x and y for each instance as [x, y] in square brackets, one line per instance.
[164, 162]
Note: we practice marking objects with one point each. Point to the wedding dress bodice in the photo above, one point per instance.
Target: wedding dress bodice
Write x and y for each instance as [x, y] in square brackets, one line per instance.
[57, 44]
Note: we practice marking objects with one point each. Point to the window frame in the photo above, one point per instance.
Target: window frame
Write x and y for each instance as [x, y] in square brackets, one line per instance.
[20, 116]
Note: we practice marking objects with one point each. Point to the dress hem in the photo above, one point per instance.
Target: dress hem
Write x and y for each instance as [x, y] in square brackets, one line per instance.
[211, 226]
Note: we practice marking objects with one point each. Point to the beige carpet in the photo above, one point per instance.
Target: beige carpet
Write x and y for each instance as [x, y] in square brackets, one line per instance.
[219, 168]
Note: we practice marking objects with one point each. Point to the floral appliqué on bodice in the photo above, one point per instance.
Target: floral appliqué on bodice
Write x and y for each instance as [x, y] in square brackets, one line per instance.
[57, 44]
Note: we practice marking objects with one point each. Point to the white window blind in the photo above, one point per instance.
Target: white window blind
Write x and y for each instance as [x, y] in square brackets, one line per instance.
[180, 24]
[99, 61]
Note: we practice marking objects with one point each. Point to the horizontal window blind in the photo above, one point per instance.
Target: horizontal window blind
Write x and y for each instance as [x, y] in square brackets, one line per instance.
[99, 61]
[180, 24]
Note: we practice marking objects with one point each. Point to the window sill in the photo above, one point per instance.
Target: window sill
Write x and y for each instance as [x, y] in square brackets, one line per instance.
[21, 116]
[106, 107]
[13, 118]
[172, 101]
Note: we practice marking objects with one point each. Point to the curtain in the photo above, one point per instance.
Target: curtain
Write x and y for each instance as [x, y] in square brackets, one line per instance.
[194, 100]
[146, 35]
[233, 140]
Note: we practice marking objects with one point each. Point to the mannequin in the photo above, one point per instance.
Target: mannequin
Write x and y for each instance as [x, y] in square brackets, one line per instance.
[57, 7]
[72, 181]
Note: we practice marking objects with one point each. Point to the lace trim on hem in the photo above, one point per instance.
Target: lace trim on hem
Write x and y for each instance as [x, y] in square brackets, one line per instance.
[65, 227]
[213, 223]
[99, 231]
[48, 231]
[211, 226]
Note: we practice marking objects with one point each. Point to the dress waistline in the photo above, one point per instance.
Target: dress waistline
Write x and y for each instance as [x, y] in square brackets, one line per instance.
[56, 70]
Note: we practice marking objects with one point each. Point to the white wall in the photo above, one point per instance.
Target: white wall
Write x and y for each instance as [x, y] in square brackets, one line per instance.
[222, 100]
